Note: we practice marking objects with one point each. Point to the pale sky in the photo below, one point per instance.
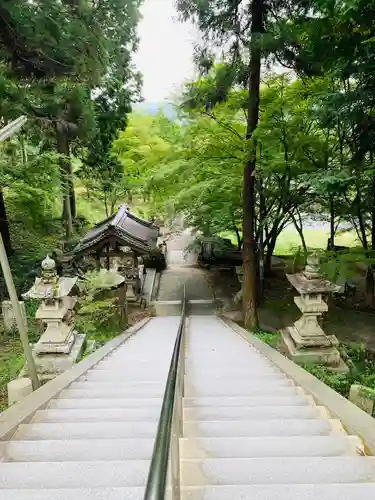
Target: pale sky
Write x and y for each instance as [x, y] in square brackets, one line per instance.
[165, 55]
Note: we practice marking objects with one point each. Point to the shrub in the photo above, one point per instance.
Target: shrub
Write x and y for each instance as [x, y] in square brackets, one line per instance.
[155, 260]
[272, 339]
[340, 382]
[98, 312]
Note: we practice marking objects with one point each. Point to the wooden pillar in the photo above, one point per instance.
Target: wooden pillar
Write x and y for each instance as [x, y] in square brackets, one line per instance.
[108, 258]
[97, 258]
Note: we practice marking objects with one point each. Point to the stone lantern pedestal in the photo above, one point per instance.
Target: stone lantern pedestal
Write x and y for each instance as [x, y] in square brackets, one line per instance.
[306, 341]
[60, 346]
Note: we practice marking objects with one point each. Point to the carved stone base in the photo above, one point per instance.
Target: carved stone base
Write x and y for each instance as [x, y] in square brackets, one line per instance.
[312, 340]
[56, 340]
[328, 356]
[50, 365]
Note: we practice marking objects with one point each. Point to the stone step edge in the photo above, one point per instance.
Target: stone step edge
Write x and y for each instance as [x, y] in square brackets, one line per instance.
[336, 425]
[188, 399]
[356, 444]
[323, 413]
[71, 442]
[40, 416]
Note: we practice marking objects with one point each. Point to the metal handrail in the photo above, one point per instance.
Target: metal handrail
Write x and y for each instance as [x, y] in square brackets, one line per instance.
[157, 477]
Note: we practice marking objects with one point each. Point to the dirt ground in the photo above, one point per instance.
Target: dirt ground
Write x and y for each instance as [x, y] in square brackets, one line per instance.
[345, 317]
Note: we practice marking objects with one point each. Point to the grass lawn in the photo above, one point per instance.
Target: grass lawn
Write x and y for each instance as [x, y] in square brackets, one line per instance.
[11, 362]
[289, 240]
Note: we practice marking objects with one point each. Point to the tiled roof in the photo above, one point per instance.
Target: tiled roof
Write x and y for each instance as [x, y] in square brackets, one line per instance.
[124, 226]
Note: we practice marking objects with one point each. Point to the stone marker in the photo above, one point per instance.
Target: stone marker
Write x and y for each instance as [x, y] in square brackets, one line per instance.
[363, 397]
[306, 341]
[19, 389]
[8, 315]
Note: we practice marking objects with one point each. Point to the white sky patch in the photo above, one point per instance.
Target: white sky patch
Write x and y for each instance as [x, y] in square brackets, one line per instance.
[165, 54]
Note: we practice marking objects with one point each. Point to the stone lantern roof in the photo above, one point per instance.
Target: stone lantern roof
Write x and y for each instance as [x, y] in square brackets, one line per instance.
[310, 281]
[50, 285]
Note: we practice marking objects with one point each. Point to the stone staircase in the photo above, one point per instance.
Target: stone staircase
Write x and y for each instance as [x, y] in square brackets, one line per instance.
[94, 440]
[249, 432]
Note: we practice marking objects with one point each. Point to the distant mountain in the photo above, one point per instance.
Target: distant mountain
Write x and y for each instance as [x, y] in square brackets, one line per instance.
[152, 108]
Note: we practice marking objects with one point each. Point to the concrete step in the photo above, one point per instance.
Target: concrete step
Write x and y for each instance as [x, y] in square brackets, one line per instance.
[278, 492]
[120, 384]
[105, 403]
[166, 307]
[130, 493]
[88, 430]
[129, 365]
[253, 362]
[238, 386]
[243, 390]
[114, 392]
[135, 368]
[271, 427]
[212, 377]
[312, 470]
[280, 446]
[77, 450]
[257, 400]
[139, 376]
[44, 475]
[99, 415]
[202, 306]
[254, 412]
[116, 373]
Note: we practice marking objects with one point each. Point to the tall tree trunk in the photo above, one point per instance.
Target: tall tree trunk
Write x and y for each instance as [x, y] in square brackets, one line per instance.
[65, 170]
[4, 225]
[370, 284]
[250, 315]
[332, 222]
[260, 245]
[369, 281]
[298, 224]
[269, 253]
[70, 185]
[239, 239]
[72, 194]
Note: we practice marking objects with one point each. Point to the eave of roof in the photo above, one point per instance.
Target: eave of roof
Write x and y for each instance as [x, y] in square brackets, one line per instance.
[115, 226]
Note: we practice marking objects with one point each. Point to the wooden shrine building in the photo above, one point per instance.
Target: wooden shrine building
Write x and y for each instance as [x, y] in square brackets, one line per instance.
[121, 238]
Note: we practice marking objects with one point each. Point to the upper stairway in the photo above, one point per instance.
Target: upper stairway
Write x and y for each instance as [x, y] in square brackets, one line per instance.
[245, 424]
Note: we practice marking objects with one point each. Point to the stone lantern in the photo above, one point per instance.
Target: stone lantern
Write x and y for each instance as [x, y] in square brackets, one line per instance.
[59, 346]
[306, 341]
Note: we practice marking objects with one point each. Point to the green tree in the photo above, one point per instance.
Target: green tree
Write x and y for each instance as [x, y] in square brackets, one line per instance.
[55, 56]
[112, 102]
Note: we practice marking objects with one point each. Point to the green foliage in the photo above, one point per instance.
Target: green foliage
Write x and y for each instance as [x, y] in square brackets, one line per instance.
[355, 352]
[97, 318]
[98, 312]
[339, 382]
[361, 363]
[367, 393]
[67, 66]
[271, 339]
[11, 362]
